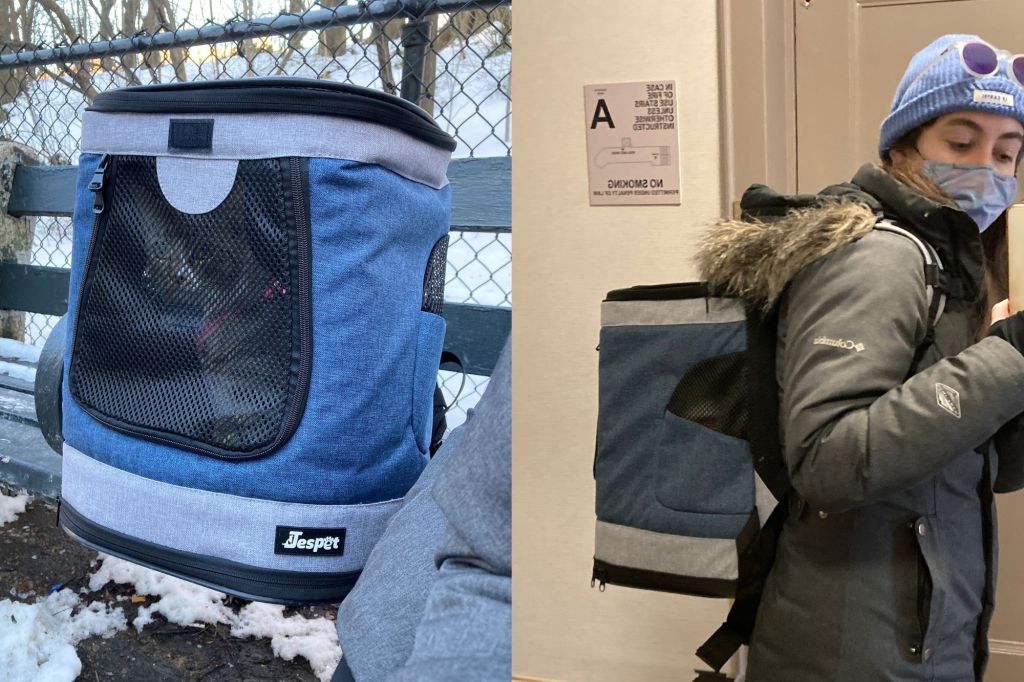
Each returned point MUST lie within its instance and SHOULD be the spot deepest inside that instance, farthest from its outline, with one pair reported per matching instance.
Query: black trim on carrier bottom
(662, 582)
(277, 95)
(292, 588)
(660, 292)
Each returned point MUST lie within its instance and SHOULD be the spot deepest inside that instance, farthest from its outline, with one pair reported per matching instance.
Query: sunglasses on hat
(980, 60)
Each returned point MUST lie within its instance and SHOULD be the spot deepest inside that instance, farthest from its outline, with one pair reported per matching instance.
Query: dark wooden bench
(481, 201)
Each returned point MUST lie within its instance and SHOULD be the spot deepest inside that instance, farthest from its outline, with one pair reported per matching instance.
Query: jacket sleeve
(465, 631)
(855, 431)
(1009, 445)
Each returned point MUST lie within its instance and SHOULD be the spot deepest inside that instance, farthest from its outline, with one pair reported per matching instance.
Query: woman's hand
(1001, 310)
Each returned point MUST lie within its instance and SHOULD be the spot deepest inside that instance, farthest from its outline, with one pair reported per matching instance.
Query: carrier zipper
(96, 186)
(98, 205)
(298, 173)
(599, 577)
(277, 95)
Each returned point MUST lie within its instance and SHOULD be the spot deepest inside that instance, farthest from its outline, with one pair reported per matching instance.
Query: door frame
(757, 92)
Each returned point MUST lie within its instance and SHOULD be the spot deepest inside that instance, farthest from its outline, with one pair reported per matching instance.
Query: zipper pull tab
(598, 577)
(96, 184)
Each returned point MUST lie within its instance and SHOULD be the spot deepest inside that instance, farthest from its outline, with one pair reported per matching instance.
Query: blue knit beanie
(934, 86)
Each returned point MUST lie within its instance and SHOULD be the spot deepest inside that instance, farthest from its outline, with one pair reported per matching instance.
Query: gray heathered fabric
(665, 553)
(195, 185)
(686, 311)
(466, 629)
(261, 136)
(435, 599)
(215, 524)
(765, 501)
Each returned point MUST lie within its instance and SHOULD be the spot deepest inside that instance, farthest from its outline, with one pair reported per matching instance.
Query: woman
(894, 443)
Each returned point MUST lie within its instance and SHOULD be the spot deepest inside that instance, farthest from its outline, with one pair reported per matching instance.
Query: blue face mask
(982, 193)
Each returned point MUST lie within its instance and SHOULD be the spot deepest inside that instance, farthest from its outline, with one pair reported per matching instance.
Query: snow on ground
(17, 371)
(315, 639)
(10, 507)
(187, 604)
(16, 350)
(37, 641)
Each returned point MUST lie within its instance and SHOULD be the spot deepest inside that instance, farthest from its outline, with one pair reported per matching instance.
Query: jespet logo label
(310, 541)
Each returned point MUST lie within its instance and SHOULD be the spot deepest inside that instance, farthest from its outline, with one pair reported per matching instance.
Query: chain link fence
(452, 57)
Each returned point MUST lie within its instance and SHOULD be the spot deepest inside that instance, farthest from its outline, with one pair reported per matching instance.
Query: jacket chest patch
(948, 399)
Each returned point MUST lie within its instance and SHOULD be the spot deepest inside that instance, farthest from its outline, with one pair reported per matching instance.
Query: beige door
(806, 86)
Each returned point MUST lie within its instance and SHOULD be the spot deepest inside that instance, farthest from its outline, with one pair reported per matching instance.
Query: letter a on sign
(601, 115)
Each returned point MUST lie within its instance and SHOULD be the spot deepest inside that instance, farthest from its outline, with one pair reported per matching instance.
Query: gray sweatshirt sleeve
(855, 431)
(465, 632)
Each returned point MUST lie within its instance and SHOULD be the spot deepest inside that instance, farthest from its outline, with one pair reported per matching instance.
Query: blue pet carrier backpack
(254, 328)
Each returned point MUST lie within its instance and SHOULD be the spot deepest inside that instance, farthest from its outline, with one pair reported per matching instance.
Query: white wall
(567, 255)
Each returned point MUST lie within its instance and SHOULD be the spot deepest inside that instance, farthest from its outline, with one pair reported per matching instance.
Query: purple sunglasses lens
(980, 58)
(1018, 69)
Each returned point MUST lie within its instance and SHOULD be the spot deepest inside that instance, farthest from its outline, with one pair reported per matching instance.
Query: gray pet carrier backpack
(254, 328)
(688, 462)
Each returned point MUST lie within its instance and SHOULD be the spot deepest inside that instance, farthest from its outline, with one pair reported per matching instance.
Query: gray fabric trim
(195, 185)
(215, 524)
(261, 136)
(763, 500)
(665, 553)
(684, 311)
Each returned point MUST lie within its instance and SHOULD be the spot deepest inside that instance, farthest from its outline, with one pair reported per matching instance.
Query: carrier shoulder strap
(766, 449)
(934, 272)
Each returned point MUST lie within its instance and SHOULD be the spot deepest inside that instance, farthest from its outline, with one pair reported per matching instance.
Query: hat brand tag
(993, 97)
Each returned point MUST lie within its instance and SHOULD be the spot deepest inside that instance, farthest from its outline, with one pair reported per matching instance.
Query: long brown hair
(909, 170)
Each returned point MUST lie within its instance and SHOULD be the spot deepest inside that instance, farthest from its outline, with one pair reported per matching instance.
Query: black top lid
(282, 95)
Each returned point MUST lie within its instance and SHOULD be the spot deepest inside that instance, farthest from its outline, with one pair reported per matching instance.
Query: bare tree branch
(58, 13)
(382, 38)
(333, 41)
(83, 82)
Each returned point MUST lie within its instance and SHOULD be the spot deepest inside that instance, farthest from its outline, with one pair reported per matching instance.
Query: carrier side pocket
(704, 462)
(429, 342)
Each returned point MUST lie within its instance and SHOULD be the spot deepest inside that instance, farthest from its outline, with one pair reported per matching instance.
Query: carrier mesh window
(188, 328)
(714, 394)
(433, 279)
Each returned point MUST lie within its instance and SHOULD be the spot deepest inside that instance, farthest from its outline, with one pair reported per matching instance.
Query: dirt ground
(36, 555)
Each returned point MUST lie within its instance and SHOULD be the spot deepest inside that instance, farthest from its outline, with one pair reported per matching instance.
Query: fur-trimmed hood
(755, 260)
(756, 257)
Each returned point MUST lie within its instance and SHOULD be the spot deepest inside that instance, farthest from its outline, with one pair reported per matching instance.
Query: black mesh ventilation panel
(433, 278)
(714, 394)
(188, 329)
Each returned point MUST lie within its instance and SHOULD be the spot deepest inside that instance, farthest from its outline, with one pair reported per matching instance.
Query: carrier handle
(450, 358)
(440, 423)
